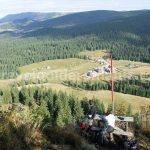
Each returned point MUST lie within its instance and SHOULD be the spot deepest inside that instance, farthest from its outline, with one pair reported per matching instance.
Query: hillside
(125, 34)
(75, 19)
(119, 32)
(58, 71)
(30, 16)
(15, 22)
(7, 27)
(121, 20)
(79, 19)
(52, 74)
(117, 27)
(120, 98)
(52, 64)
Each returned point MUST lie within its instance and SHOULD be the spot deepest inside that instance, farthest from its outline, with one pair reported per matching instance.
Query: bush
(66, 136)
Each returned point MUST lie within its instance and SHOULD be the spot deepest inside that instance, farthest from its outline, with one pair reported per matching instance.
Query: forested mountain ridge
(138, 24)
(82, 18)
(30, 16)
(126, 34)
(16, 22)
(92, 22)
(74, 19)
(45, 83)
(32, 21)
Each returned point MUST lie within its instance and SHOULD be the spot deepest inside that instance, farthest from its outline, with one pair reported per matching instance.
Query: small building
(132, 65)
(107, 69)
(99, 70)
(101, 61)
(92, 73)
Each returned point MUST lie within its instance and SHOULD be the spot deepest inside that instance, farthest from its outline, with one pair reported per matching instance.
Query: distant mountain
(18, 21)
(125, 34)
(82, 18)
(100, 23)
(74, 19)
(7, 27)
(32, 22)
(74, 24)
(30, 16)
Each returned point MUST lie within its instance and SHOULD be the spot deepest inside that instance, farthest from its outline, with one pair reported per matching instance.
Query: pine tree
(99, 106)
(24, 96)
(120, 109)
(85, 105)
(15, 95)
(50, 101)
(78, 111)
(41, 114)
(60, 121)
(72, 103)
(67, 111)
(129, 110)
(109, 108)
(7, 99)
(64, 114)
(102, 108)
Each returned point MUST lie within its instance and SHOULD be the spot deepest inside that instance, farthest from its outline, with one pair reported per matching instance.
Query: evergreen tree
(60, 121)
(7, 99)
(120, 109)
(15, 95)
(41, 114)
(109, 108)
(50, 101)
(129, 110)
(99, 106)
(78, 111)
(24, 96)
(85, 105)
(64, 114)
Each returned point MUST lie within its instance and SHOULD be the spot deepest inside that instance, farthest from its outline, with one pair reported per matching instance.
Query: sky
(18, 6)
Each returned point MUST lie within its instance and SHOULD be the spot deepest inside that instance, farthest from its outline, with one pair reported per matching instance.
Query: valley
(52, 74)
(53, 63)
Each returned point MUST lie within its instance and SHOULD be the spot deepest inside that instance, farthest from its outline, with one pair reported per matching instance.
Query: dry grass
(73, 69)
(144, 68)
(141, 69)
(5, 83)
(57, 71)
(18, 130)
(53, 64)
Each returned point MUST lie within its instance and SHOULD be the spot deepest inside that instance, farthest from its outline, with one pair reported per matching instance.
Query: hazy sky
(17, 6)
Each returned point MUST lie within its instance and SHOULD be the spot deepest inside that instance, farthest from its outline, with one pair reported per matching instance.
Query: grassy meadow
(105, 96)
(57, 71)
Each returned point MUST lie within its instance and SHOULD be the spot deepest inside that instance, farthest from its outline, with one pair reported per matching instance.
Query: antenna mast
(112, 83)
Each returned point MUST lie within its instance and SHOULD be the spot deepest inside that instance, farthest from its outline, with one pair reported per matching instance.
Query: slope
(82, 18)
(57, 71)
(99, 27)
(30, 16)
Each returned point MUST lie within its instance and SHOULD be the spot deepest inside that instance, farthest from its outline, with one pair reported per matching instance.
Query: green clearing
(60, 70)
(121, 65)
(57, 71)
